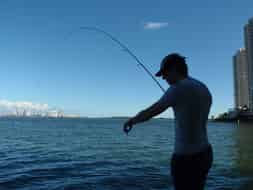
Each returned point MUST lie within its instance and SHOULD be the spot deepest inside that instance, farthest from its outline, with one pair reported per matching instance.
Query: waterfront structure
(248, 38)
(241, 82)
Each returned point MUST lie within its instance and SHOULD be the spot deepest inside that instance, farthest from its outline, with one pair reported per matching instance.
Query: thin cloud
(155, 25)
(23, 105)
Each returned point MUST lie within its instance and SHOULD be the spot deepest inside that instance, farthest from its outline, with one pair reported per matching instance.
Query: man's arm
(148, 113)
(167, 100)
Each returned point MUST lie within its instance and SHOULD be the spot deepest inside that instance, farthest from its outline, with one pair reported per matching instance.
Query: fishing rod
(125, 48)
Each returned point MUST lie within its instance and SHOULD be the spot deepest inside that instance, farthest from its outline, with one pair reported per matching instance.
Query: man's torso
(193, 102)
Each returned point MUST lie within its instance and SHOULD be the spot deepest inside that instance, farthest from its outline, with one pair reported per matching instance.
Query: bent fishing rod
(125, 48)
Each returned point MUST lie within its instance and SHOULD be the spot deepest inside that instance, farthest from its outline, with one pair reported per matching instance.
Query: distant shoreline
(41, 118)
(81, 118)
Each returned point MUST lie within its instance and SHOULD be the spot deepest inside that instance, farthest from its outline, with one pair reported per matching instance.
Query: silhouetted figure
(190, 100)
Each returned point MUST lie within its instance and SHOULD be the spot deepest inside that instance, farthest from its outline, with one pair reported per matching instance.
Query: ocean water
(95, 154)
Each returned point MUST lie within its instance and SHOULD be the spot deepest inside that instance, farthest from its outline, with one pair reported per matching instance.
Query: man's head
(173, 68)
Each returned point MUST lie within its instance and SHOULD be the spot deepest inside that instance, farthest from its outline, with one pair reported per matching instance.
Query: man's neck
(180, 78)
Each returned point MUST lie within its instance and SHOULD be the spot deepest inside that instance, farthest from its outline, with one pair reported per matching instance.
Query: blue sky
(90, 75)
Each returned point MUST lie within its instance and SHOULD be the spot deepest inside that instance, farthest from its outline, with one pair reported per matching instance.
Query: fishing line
(125, 48)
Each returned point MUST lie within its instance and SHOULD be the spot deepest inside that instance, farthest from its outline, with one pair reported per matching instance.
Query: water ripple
(68, 155)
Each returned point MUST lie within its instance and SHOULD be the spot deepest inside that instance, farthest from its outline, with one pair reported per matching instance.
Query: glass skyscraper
(248, 37)
(241, 87)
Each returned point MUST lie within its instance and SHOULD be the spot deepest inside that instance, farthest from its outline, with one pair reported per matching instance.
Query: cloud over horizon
(12, 107)
(155, 25)
(23, 105)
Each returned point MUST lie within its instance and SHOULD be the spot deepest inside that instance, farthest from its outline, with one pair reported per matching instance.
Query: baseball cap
(169, 61)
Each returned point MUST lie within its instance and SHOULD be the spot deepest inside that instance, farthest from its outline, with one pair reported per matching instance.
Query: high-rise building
(248, 37)
(241, 87)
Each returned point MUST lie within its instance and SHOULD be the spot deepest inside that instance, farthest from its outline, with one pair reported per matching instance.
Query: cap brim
(158, 74)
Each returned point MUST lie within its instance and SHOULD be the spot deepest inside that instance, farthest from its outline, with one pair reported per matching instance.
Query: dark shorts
(189, 172)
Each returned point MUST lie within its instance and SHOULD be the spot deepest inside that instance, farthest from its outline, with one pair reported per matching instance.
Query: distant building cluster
(35, 113)
(30, 109)
(243, 71)
(49, 113)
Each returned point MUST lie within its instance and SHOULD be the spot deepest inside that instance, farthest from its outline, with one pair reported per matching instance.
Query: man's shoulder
(193, 86)
(193, 80)
(190, 81)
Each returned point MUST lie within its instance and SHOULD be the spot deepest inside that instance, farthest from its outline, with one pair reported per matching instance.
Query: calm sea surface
(76, 154)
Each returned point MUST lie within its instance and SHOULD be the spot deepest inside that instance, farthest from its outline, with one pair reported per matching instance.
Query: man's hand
(128, 126)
